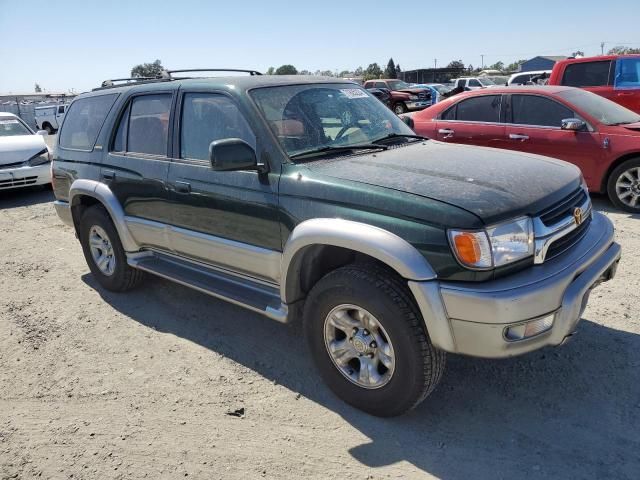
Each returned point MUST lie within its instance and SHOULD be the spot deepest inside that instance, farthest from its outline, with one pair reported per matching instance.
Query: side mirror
(574, 124)
(44, 133)
(232, 154)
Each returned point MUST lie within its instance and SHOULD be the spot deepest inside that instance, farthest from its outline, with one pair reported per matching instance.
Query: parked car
(615, 77)
(473, 83)
(382, 94)
(404, 98)
(50, 118)
(536, 77)
(24, 156)
(593, 133)
(305, 198)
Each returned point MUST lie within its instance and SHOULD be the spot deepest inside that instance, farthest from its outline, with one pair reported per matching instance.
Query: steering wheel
(346, 118)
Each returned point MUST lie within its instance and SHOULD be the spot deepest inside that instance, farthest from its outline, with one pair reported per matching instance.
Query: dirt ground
(141, 385)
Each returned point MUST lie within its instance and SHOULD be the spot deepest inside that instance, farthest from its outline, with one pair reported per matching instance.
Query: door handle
(182, 187)
(447, 132)
(517, 136)
(108, 174)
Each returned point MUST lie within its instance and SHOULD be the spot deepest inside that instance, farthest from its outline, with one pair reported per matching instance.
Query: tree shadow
(568, 412)
(25, 197)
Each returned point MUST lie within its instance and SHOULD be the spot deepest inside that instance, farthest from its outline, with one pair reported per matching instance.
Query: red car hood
(632, 126)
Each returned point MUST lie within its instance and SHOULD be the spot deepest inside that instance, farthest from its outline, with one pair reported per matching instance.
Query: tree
(497, 66)
(398, 70)
(271, 71)
(37, 88)
(622, 50)
(326, 73)
(358, 72)
(456, 64)
(147, 69)
(304, 72)
(344, 74)
(286, 70)
(515, 66)
(578, 53)
(390, 71)
(372, 71)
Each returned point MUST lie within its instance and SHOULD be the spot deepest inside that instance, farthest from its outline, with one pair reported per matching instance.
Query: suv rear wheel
(104, 253)
(367, 338)
(399, 108)
(48, 128)
(623, 186)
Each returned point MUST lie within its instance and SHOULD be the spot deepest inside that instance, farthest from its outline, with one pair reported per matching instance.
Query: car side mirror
(232, 154)
(574, 124)
(44, 133)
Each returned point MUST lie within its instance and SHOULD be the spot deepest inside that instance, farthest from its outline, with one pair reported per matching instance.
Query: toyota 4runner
(302, 197)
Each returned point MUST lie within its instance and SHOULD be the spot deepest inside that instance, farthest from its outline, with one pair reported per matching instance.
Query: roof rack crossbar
(110, 82)
(168, 73)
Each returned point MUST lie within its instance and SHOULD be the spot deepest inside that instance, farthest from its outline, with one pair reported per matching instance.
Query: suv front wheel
(104, 252)
(367, 339)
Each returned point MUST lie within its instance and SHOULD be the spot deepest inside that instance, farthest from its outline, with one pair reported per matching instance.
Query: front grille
(12, 165)
(564, 208)
(570, 239)
(423, 96)
(18, 182)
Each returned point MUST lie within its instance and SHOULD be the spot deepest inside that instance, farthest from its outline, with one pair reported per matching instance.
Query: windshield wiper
(398, 135)
(344, 148)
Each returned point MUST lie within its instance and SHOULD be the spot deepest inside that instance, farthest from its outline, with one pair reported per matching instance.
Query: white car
(524, 78)
(473, 83)
(25, 159)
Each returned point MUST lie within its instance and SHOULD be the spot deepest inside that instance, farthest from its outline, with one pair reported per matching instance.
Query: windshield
(12, 126)
(398, 85)
(306, 118)
(485, 82)
(605, 111)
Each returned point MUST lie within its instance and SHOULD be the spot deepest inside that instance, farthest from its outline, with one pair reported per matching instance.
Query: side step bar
(241, 291)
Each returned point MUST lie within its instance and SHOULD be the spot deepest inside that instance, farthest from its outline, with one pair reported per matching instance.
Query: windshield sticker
(8, 122)
(354, 93)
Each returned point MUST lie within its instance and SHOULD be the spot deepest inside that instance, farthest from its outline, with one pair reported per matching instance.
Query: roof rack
(116, 82)
(168, 74)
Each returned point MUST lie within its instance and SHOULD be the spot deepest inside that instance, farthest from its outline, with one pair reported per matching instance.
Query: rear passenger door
(474, 120)
(137, 165)
(228, 219)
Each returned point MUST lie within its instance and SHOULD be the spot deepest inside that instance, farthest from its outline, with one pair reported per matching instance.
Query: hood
(20, 148)
(491, 183)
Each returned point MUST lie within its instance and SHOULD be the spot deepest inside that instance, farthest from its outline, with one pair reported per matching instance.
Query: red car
(571, 124)
(616, 77)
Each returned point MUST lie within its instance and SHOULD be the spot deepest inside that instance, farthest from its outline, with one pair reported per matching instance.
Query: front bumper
(64, 212)
(26, 176)
(471, 318)
(420, 105)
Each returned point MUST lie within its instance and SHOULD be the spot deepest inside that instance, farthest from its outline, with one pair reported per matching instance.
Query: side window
(536, 110)
(484, 108)
(627, 75)
(147, 127)
(120, 140)
(474, 83)
(459, 83)
(449, 114)
(60, 109)
(84, 120)
(368, 84)
(381, 85)
(208, 117)
(587, 74)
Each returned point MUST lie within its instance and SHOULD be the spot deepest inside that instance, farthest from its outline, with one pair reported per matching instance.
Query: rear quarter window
(587, 74)
(83, 121)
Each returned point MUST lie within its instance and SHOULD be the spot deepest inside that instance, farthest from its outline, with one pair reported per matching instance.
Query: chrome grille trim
(545, 235)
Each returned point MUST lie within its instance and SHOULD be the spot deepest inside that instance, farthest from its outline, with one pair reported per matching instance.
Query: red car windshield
(605, 111)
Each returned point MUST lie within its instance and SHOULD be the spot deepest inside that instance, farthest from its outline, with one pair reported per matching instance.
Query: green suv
(306, 198)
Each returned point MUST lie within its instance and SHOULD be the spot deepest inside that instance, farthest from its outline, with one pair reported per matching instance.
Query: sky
(66, 45)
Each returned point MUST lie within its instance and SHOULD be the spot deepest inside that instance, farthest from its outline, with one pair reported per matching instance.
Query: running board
(241, 291)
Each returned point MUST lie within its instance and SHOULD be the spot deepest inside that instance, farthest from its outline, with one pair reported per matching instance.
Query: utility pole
(435, 63)
(482, 57)
(602, 48)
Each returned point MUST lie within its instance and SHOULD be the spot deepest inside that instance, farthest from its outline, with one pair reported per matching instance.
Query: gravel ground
(152, 384)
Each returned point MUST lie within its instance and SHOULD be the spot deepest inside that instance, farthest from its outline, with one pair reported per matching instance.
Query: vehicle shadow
(602, 204)
(569, 412)
(25, 197)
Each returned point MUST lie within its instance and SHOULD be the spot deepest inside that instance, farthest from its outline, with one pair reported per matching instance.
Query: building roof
(554, 58)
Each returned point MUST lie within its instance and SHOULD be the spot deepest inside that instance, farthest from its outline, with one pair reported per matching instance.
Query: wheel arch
(328, 243)
(613, 166)
(86, 193)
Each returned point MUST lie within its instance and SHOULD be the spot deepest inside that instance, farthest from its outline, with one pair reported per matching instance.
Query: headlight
(495, 246)
(413, 97)
(40, 159)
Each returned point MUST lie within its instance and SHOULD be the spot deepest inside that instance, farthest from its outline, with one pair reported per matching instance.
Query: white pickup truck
(50, 118)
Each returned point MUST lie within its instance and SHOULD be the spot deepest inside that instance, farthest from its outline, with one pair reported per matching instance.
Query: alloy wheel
(628, 187)
(102, 250)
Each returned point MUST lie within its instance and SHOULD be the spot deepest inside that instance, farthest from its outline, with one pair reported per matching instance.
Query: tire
(623, 186)
(115, 275)
(399, 108)
(48, 128)
(416, 366)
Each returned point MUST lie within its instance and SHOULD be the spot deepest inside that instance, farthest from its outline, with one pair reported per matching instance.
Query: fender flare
(106, 197)
(373, 241)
